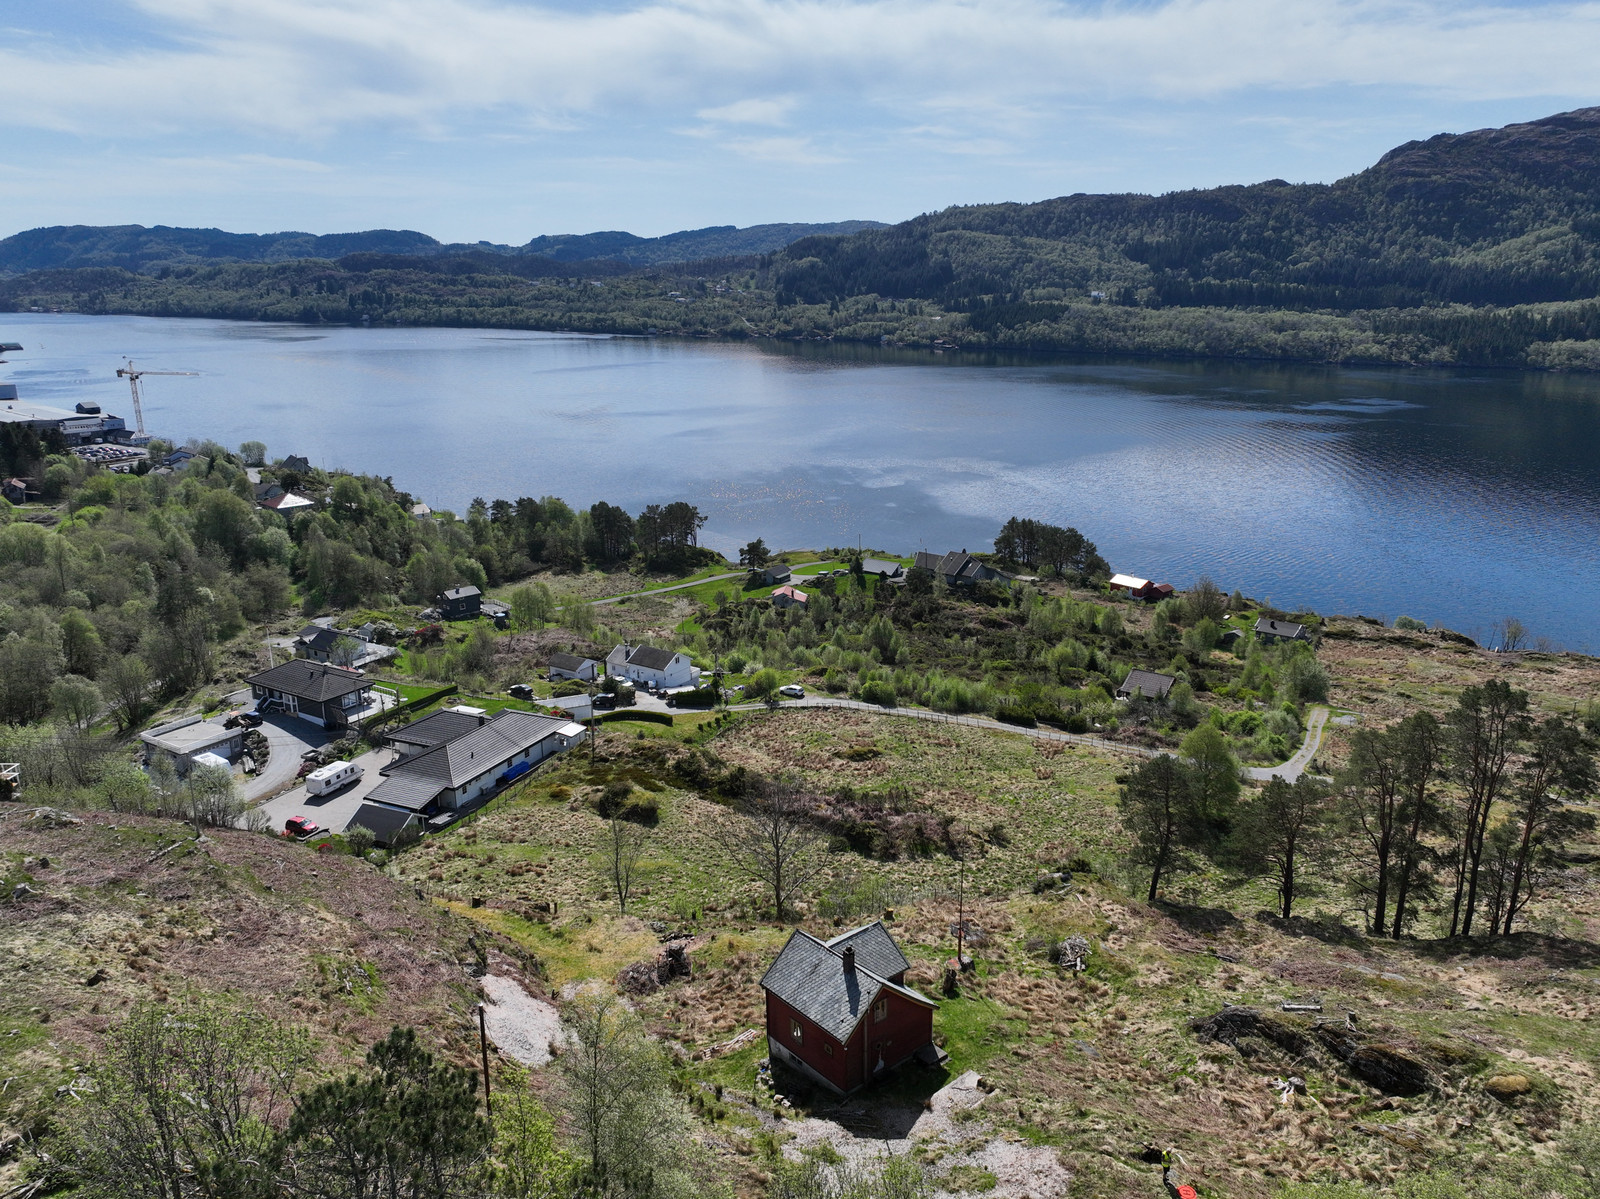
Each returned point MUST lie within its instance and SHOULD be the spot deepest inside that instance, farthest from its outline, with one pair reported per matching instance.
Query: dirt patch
(522, 1027)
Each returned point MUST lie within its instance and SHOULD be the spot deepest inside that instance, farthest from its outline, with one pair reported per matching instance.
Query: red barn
(839, 1011)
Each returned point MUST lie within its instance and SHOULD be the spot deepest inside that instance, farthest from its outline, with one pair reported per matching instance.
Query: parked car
(248, 720)
(604, 702)
(301, 826)
(520, 691)
(792, 691)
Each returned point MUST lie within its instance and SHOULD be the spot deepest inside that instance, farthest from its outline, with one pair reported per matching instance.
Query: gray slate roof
(1148, 683)
(456, 593)
(569, 662)
(435, 729)
(651, 658)
(457, 762)
(809, 976)
(409, 791)
(315, 681)
(1280, 628)
(877, 566)
(875, 949)
(384, 822)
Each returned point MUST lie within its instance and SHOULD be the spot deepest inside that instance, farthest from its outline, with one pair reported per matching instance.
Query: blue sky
(504, 119)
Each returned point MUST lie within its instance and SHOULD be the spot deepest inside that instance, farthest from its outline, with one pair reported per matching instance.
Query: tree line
(1462, 817)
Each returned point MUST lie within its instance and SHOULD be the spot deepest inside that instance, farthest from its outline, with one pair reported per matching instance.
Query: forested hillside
(1479, 249)
(136, 248)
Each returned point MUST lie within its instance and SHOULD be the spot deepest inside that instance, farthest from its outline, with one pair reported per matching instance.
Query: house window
(795, 1033)
(880, 1010)
(827, 1048)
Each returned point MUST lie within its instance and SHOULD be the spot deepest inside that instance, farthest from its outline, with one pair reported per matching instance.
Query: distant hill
(716, 241)
(1499, 216)
(1478, 248)
(136, 248)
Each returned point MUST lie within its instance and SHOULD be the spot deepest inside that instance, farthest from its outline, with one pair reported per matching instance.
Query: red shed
(839, 1011)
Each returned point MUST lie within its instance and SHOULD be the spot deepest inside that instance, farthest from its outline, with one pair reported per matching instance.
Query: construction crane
(133, 378)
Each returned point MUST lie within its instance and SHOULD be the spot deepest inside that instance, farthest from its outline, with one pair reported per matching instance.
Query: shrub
(879, 692)
(1409, 624)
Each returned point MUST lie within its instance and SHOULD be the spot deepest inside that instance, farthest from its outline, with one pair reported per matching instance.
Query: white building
(649, 665)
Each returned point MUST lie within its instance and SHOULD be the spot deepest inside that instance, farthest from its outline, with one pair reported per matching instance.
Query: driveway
(332, 812)
(287, 738)
(1291, 770)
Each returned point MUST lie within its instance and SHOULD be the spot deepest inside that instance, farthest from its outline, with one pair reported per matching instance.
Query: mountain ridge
(146, 249)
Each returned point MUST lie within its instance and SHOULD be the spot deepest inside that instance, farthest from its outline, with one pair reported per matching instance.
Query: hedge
(645, 715)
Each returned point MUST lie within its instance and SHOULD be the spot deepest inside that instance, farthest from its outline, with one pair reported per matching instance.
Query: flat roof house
(325, 694)
(839, 1011)
(185, 740)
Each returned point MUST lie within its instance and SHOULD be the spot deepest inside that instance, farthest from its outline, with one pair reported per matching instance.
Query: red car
(301, 826)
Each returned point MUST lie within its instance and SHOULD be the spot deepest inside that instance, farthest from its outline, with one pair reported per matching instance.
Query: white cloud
(310, 67)
(751, 112)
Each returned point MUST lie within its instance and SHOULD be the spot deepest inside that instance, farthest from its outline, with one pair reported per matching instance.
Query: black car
(520, 691)
(604, 702)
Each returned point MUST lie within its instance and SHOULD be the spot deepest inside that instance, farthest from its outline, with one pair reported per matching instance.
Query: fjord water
(1453, 496)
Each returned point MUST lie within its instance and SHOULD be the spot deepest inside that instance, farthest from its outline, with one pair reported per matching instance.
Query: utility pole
(483, 1046)
(961, 913)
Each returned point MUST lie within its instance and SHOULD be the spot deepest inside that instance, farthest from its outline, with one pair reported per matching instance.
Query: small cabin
(461, 603)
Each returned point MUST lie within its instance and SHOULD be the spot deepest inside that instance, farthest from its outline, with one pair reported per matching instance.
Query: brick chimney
(850, 959)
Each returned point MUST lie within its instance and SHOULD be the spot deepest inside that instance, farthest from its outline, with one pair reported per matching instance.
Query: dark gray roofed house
(1146, 683)
(296, 463)
(570, 666)
(324, 645)
(776, 572)
(434, 729)
(461, 603)
(881, 568)
(837, 1012)
(386, 824)
(651, 657)
(332, 696)
(1280, 630)
(960, 569)
(465, 768)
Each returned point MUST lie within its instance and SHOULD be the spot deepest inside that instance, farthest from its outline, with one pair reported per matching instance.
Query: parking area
(287, 738)
(332, 812)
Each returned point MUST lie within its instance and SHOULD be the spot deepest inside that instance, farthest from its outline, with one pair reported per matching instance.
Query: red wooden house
(839, 1011)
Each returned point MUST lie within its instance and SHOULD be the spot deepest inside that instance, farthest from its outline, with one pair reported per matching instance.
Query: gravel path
(1297, 765)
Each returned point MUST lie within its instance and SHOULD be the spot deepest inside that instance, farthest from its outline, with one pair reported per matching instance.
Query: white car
(792, 691)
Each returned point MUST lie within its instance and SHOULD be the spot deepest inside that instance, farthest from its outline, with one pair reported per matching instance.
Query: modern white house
(647, 664)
